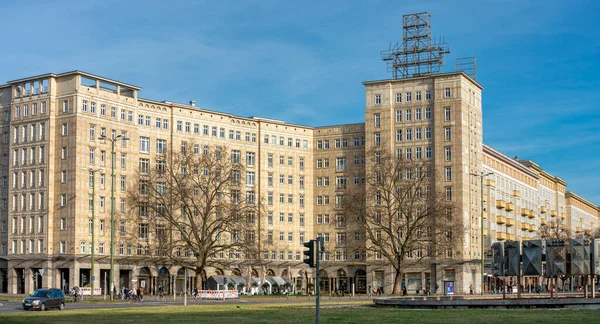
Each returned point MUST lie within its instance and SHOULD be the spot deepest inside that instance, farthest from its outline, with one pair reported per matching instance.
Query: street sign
(41, 271)
(93, 277)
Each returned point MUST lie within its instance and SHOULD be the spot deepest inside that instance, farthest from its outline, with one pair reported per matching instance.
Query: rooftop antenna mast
(418, 54)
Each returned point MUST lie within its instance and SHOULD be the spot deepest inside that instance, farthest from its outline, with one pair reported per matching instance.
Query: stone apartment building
(51, 124)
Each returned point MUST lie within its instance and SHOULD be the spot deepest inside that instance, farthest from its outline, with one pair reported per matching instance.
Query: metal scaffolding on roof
(418, 54)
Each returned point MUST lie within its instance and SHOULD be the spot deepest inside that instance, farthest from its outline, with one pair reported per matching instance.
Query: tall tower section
(423, 114)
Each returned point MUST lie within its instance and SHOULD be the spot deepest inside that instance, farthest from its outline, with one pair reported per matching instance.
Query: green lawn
(298, 313)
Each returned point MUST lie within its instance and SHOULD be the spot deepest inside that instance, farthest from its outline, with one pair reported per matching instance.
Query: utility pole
(482, 176)
(93, 246)
(112, 208)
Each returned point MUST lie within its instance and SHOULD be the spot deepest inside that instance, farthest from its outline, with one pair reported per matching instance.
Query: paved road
(15, 306)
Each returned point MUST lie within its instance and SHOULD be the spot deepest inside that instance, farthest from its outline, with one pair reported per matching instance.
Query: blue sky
(304, 61)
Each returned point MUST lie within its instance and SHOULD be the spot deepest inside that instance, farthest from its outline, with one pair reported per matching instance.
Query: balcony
(500, 204)
(524, 212)
(543, 222)
(532, 214)
(490, 183)
(553, 224)
(532, 228)
(563, 216)
(553, 213)
(578, 229)
(510, 237)
(543, 209)
(510, 207)
(500, 220)
(510, 222)
(524, 226)
(500, 236)
(516, 193)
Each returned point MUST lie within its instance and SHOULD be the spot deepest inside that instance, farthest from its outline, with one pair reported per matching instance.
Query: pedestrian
(404, 291)
(123, 291)
(141, 294)
(471, 289)
(436, 287)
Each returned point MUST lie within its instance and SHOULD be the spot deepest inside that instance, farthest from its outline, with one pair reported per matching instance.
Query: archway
(360, 278)
(342, 281)
(144, 278)
(180, 283)
(284, 273)
(323, 281)
(254, 273)
(218, 272)
(164, 280)
(270, 273)
(236, 272)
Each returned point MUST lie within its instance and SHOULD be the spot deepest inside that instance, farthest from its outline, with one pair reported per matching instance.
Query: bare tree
(406, 220)
(555, 230)
(195, 208)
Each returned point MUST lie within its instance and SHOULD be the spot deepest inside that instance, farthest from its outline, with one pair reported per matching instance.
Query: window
(377, 119)
(377, 139)
(130, 116)
(448, 153)
(84, 106)
(447, 134)
(65, 129)
(448, 173)
(65, 106)
(417, 133)
(92, 156)
(447, 93)
(409, 134)
(418, 153)
(408, 115)
(408, 96)
(448, 193)
(144, 144)
(113, 112)
(447, 113)
(250, 178)
(428, 95)
(250, 159)
(428, 153)
(63, 247)
(418, 114)
(409, 153)
(63, 200)
(63, 176)
(378, 99)
(161, 144)
(398, 97)
(102, 110)
(418, 96)
(93, 107)
(427, 132)
(340, 164)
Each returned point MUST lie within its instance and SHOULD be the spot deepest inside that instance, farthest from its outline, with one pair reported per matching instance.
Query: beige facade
(51, 125)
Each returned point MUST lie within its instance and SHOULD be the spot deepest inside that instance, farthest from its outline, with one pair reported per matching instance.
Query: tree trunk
(199, 271)
(397, 282)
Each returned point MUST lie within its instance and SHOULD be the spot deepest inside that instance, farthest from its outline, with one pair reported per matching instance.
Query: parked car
(43, 299)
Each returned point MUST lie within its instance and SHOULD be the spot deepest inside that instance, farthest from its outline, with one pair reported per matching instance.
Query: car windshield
(39, 293)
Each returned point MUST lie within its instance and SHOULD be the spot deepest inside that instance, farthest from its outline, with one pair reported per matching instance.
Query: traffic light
(532, 258)
(311, 254)
(498, 259)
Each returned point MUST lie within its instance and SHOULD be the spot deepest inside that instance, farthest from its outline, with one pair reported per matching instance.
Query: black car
(43, 299)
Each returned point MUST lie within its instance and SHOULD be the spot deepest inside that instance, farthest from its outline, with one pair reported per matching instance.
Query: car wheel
(42, 307)
(25, 308)
(61, 306)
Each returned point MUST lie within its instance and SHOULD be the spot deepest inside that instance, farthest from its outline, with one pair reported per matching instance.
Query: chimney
(517, 157)
(192, 103)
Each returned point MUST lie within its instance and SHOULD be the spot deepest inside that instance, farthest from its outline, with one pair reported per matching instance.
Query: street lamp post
(112, 207)
(93, 247)
(481, 176)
